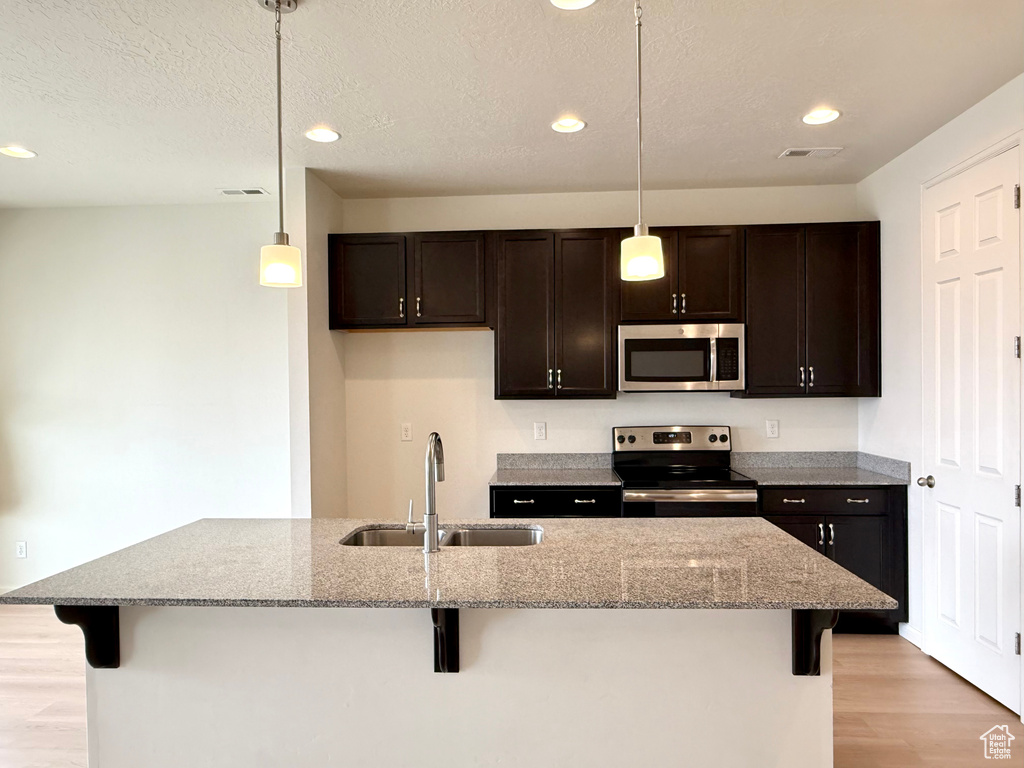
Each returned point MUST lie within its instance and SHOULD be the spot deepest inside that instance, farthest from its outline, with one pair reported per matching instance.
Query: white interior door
(971, 315)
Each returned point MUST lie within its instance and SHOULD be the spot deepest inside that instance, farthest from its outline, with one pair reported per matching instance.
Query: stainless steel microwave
(669, 358)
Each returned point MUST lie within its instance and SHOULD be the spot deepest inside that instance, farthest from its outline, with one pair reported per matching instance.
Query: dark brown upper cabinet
(367, 281)
(812, 310)
(703, 279)
(436, 279)
(556, 298)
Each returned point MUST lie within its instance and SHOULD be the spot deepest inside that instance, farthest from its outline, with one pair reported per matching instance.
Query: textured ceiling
(147, 101)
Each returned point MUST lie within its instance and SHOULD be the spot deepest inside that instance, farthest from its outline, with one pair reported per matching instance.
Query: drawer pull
(858, 501)
(522, 501)
(586, 501)
(821, 534)
(794, 501)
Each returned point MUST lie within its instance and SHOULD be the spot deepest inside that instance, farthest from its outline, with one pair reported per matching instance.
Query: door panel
(585, 346)
(810, 529)
(842, 311)
(710, 274)
(650, 301)
(859, 544)
(525, 338)
(775, 311)
(971, 420)
(450, 278)
(367, 280)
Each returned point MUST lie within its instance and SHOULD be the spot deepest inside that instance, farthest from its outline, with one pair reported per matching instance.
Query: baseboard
(913, 635)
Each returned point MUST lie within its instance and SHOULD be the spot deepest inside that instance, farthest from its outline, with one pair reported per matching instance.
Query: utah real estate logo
(997, 742)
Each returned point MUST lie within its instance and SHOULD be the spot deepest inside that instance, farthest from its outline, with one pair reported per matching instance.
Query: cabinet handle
(858, 501)
(811, 369)
(401, 306)
(682, 299)
(551, 373)
(821, 534)
(522, 501)
(418, 307)
(803, 377)
(586, 501)
(794, 501)
(675, 305)
(559, 378)
(831, 535)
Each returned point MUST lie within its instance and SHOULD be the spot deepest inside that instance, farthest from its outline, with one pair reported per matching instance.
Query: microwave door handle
(714, 360)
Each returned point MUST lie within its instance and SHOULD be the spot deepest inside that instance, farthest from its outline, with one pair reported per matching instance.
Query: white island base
(355, 687)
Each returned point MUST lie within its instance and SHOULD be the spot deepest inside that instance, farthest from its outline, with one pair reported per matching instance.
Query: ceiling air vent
(246, 192)
(812, 152)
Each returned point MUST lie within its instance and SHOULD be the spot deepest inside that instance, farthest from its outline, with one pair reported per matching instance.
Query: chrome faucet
(434, 466)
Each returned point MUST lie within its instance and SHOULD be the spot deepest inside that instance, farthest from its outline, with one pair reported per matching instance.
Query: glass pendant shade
(280, 266)
(642, 258)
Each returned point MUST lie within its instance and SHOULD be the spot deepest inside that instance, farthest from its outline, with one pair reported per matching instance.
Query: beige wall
(891, 426)
(144, 379)
(444, 381)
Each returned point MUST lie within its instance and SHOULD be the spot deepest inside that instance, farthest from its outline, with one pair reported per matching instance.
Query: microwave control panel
(728, 359)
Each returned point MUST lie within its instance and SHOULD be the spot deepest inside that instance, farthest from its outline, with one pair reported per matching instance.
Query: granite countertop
(607, 563)
(556, 477)
(769, 476)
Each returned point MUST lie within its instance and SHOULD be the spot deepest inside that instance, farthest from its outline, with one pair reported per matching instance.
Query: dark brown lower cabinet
(861, 529)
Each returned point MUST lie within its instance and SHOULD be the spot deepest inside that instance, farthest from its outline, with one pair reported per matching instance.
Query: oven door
(704, 502)
(666, 357)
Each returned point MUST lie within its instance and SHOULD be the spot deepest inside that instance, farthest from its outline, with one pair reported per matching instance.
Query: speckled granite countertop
(608, 563)
(838, 476)
(555, 477)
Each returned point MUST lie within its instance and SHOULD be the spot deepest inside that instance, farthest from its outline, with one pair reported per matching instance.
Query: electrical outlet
(540, 430)
(771, 428)
(407, 433)
(21, 549)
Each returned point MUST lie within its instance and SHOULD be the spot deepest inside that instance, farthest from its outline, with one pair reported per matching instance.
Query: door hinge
(1016, 644)
(1016, 347)
(1016, 496)
(1016, 196)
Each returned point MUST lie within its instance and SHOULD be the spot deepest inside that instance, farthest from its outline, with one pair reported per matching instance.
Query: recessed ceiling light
(821, 116)
(568, 125)
(19, 152)
(323, 135)
(571, 5)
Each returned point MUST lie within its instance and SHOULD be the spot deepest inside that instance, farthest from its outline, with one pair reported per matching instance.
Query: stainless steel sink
(384, 537)
(493, 537)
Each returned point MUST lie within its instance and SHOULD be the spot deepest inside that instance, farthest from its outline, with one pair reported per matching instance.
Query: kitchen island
(214, 647)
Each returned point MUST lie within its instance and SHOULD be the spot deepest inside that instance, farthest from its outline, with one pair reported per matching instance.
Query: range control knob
(621, 439)
(713, 438)
(723, 438)
(632, 439)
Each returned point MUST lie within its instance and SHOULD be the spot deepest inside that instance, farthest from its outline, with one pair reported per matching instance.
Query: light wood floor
(894, 706)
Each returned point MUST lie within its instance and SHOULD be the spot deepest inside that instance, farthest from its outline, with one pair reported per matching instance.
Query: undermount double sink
(460, 537)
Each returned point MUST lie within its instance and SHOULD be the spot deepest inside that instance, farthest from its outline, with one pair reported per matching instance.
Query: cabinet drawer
(850, 500)
(533, 501)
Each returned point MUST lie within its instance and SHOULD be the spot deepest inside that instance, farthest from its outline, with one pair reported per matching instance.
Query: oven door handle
(691, 496)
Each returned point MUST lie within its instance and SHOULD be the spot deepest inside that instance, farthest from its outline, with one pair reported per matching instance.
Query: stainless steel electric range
(677, 471)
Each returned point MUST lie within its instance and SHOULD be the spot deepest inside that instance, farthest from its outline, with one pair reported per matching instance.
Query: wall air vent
(244, 192)
(812, 152)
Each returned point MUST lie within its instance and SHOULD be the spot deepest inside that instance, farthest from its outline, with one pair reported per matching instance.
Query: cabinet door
(585, 347)
(710, 274)
(842, 309)
(860, 545)
(775, 311)
(450, 279)
(525, 335)
(810, 529)
(652, 301)
(367, 281)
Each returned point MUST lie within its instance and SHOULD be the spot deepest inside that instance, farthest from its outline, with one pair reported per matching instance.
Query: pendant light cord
(638, 12)
(280, 136)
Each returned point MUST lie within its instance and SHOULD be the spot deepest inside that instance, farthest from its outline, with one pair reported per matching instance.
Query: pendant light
(642, 258)
(280, 263)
